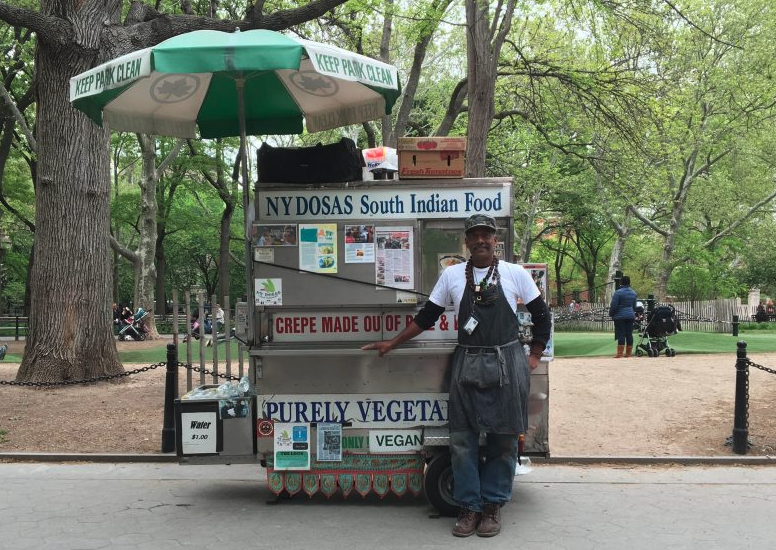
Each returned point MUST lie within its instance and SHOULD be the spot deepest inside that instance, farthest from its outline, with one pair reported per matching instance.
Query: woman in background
(623, 311)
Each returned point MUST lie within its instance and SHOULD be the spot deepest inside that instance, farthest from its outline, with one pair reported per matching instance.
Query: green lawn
(567, 344)
(157, 355)
(574, 344)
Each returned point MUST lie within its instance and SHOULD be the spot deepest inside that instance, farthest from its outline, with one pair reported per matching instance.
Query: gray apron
(490, 380)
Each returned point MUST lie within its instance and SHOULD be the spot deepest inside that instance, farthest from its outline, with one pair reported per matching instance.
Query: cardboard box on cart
(431, 157)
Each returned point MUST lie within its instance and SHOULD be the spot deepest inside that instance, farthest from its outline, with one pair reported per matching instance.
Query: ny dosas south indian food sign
(384, 203)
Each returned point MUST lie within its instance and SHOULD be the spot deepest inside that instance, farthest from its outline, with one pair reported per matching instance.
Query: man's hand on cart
(382, 347)
(410, 331)
(535, 355)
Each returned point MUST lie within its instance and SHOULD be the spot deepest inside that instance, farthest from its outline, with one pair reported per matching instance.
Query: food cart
(337, 266)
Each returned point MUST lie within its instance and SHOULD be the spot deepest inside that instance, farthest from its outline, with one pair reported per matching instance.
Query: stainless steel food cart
(336, 266)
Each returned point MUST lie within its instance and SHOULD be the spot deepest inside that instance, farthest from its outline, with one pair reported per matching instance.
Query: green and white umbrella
(235, 84)
(192, 81)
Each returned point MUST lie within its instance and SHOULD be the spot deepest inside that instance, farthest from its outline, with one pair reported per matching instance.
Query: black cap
(479, 220)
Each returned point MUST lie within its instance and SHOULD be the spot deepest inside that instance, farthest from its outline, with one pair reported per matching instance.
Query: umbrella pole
(240, 83)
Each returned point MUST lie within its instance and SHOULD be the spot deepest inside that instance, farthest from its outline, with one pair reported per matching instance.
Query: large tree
(716, 98)
(70, 332)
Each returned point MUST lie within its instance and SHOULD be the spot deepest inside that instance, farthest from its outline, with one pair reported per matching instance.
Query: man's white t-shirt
(515, 281)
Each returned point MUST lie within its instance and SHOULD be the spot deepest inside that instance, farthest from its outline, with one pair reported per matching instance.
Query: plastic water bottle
(226, 390)
(244, 385)
(523, 466)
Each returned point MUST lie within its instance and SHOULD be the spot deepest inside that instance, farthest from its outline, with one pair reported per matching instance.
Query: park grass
(159, 354)
(567, 344)
(593, 344)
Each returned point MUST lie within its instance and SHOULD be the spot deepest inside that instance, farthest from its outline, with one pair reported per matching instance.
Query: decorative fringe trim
(380, 474)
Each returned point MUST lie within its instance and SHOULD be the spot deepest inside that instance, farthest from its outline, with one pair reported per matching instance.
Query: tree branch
(454, 107)
(126, 253)
(171, 156)
(649, 223)
(48, 28)
(735, 225)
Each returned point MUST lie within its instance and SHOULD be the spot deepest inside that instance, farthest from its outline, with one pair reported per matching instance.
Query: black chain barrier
(205, 371)
(740, 438)
(105, 377)
(762, 368)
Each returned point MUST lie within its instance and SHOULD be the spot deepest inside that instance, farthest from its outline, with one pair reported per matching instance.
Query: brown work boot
(467, 522)
(620, 349)
(490, 524)
(628, 351)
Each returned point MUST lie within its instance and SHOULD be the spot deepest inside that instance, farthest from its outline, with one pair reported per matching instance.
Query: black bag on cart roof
(333, 163)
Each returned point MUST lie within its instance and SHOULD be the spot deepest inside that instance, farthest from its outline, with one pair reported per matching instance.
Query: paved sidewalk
(166, 506)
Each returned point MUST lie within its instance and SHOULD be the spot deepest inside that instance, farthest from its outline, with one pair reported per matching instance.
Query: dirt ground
(680, 406)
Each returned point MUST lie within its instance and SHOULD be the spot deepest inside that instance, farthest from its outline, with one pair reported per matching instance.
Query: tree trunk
(666, 267)
(483, 48)
(618, 249)
(525, 239)
(615, 264)
(481, 86)
(145, 285)
(70, 333)
(161, 273)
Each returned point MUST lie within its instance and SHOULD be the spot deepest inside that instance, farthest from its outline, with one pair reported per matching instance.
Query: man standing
(491, 377)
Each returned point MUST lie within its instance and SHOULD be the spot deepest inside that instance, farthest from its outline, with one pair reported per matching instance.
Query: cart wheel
(639, 352)
(438, 484)
(668, 352)
(673, 352)
(142, 336)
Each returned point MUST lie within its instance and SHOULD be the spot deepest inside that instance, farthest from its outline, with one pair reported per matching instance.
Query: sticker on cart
(394, 263)
(292, 446)
(269, 292)
(406, 297)
(266, 255)
(328, 440)
(198, 433)
(395, 441)
(318, 247)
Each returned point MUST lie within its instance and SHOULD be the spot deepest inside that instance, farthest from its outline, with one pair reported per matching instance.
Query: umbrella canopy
(192, 82)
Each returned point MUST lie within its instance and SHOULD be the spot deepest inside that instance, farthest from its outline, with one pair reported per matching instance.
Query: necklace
(482, 285)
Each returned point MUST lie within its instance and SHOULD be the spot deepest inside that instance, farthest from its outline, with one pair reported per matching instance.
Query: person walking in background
(623, 311)
(491, 372)
(219, 318)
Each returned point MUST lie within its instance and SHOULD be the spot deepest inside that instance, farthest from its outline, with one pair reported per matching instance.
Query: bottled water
(523, 466)
(244, 385)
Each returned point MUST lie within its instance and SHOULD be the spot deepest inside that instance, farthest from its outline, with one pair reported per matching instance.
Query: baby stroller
(661, 322)
(135, 328)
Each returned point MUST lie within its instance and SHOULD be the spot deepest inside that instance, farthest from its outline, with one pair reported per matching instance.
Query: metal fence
(696, 316)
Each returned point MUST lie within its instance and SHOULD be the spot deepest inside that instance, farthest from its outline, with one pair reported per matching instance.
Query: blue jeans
(477, 483)
(623, 331)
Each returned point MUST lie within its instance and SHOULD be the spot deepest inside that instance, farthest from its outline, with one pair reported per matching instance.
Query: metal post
(240, 83)
(735, 325)
(170, 393)
(650, 303)
(740, 420)
(17, 328)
